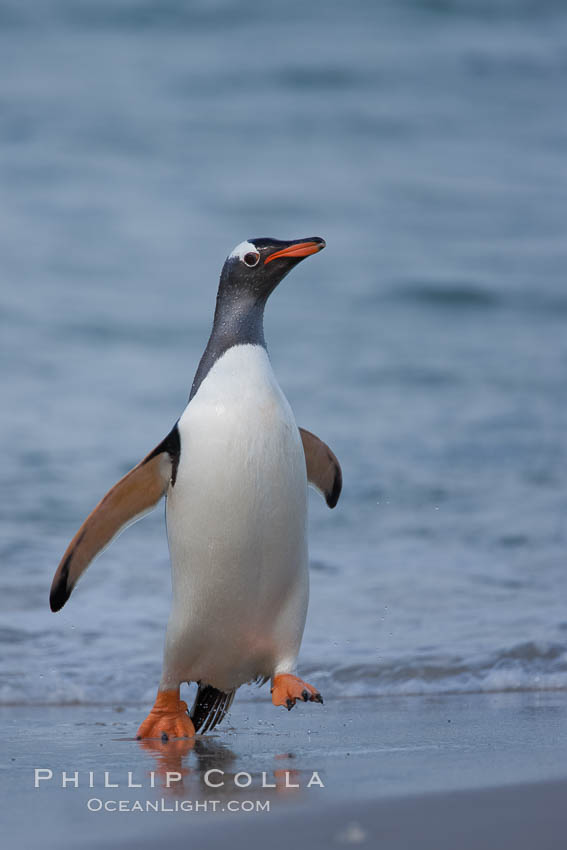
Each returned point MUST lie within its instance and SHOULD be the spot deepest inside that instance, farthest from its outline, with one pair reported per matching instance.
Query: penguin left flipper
(323, 469)
(134, 495)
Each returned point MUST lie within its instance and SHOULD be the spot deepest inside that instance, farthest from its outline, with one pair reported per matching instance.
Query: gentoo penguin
(234, 470)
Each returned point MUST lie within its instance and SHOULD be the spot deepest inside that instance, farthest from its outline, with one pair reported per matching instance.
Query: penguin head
(256, 266)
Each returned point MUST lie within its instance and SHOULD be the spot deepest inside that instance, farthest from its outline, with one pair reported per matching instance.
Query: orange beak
(300, 249)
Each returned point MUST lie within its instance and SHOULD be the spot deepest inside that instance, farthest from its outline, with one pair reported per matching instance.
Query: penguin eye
(251, 259)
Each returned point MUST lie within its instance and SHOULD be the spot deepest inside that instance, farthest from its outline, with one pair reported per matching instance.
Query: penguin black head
(256, 266)
(248, 276)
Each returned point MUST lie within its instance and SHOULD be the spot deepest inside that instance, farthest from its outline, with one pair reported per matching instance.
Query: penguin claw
(287, 689)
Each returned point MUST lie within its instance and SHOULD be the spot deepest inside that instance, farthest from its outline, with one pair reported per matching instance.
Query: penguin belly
(236, 524)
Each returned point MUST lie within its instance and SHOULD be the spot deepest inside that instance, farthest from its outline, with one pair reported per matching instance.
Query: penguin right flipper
(133, 496)
(323, 469)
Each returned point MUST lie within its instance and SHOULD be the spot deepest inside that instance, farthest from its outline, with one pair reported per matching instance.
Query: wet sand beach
(369, 771)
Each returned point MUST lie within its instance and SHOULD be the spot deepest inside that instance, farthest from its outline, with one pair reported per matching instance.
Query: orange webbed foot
(286, 689)
(168, 718)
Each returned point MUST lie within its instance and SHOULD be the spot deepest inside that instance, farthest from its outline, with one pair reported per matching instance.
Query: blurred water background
(140, 140)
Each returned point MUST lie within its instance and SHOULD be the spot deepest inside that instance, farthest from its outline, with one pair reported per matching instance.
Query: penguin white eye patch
(243, 251)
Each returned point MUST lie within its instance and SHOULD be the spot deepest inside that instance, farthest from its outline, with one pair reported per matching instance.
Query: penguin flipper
(133, 496)
(323, 469)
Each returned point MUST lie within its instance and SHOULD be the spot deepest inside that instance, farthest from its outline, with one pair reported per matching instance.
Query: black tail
(210, 707)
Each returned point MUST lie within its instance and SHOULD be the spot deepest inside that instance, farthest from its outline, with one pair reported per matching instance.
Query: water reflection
(169, 756)
(205, 768)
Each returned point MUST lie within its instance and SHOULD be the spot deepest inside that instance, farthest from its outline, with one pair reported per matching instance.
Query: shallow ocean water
(139, 142)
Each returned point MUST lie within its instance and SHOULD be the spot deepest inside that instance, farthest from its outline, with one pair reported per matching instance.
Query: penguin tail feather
(210, 707)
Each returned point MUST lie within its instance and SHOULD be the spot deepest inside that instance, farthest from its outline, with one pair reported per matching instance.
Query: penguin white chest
(236, 521)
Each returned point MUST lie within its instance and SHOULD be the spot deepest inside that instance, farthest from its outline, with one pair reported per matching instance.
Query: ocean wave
(143, 14)
(529, 666)
(452, 296)
(463, 296)
(488, 9)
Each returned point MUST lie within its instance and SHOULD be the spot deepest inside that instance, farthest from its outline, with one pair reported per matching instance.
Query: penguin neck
(239, 320)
